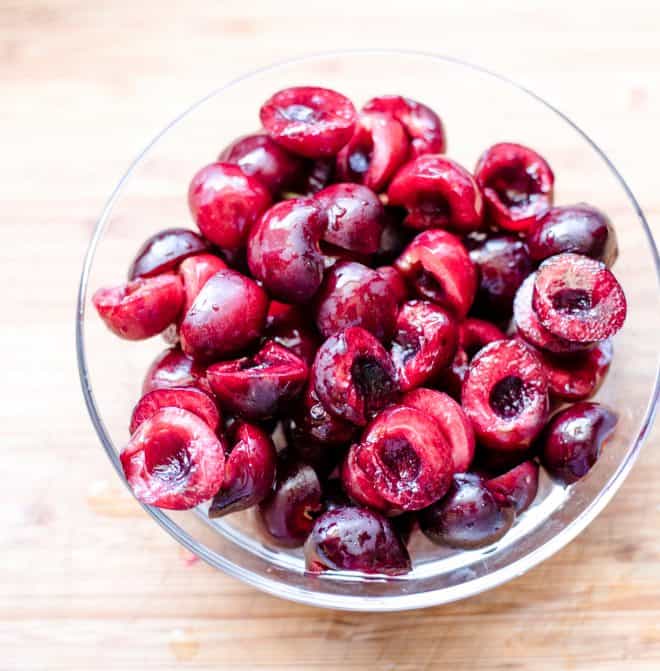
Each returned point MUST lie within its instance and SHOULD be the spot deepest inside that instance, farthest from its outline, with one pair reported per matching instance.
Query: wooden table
(87, 581)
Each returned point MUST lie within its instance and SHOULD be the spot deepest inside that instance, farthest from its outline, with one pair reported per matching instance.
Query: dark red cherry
(188, 398)
(225, 203)
(438, 193)
(308, 120)
(353, 376)
(451, 420)
(355, 539)
(517, 487)
(284, 252)
(474, 334)
(226, 317)
(164, 251)
(581, 229)
(573, 439)
(249, 471)
(287, 515)
(404, 458)
(421, 123)
(502, 262)
(261, 157)
(172, 368)
(437, 266)
(195, 271)
(424, 343)
(517, 184)
(355, 295)
(377, 149)
(258, 387)
(354, 217)
(468, 517)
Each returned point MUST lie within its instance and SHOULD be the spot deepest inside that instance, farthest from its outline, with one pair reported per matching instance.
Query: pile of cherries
(367, 337)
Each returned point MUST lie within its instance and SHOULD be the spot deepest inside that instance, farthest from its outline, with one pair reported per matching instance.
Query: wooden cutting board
(87, 581)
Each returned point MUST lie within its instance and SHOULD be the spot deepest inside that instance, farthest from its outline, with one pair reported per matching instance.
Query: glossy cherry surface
(516, 487)
(355, 539)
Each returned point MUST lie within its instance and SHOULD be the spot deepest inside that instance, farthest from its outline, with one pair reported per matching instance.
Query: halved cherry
(530, 329)
(353, 375)
(309, 120)
(452, 421)
(505, 395)
(451, 378)
(141, 308)
(405, 457)
(517, 184)
(438, 193)
(578, 298)
(424, 343)
(164, 251)
(174, 460)
(188, 398)
(249, 471)
(517, 487)
(195, 271)
(256, 387)
(437, 266)
(377, 149)
(422, 124)
(396, 285)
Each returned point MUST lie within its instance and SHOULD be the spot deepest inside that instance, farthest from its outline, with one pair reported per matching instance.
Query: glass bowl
(479, 108)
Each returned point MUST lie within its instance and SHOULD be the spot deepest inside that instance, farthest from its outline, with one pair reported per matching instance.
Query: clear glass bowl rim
(350, 602)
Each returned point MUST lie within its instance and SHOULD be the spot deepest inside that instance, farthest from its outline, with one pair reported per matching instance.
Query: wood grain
(87, 580)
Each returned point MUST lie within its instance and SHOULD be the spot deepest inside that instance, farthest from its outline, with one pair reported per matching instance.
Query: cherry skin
(581, 229)
(195, 271)
(354, 295)
(517, 487)
(573, 440)
(228, 314)
(164, 251)
(355, 539)
(287, 514)
(468, 517)
(249, 472)
(225, 203)
(354, 217)
(261, 157)
(172, 368)
(283, 250)
(502, 262)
